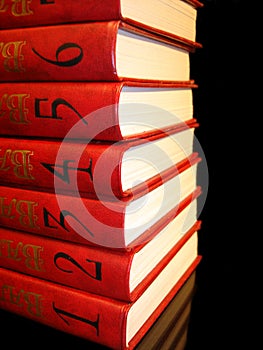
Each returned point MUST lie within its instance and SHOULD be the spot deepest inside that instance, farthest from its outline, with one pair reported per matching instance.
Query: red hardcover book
(96, 269)
(94, 168)
(116, 324)
(91, 51)
(111, 223)
(178, 21)
(110, 111)
(173, 321)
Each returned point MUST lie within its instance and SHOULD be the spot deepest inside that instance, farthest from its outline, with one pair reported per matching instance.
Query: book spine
(61, 166)
(54, 110)
(82, 267)
(26, 13)
(70, 218)
(73, 219)
(79, 313)
(76, 52)
(91, 269)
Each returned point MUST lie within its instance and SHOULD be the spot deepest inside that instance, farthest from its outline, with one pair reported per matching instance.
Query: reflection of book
(172, 324)
(91, 51)
(106, 321)
(179, 19)
(171, 327)
(180, 343)
(102, 110)
(177, 336)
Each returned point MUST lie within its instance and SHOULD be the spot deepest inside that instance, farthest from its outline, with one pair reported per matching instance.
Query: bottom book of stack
(110, 322)
(168, 332)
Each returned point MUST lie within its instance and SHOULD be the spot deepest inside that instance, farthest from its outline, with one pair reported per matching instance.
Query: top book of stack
(97, 40)
(174, 18)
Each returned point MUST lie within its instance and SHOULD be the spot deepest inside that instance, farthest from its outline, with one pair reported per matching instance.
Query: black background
(218, 108)
(219, 319)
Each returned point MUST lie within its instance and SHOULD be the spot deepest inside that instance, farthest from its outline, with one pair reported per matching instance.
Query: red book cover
(91, 51)
(93, 110)
(111, 223)
(116, 324)
(34, 13)
(172, 322)
(97, 269)
(94, 168)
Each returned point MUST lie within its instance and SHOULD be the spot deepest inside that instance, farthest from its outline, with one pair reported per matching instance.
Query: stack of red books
(98, 168)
